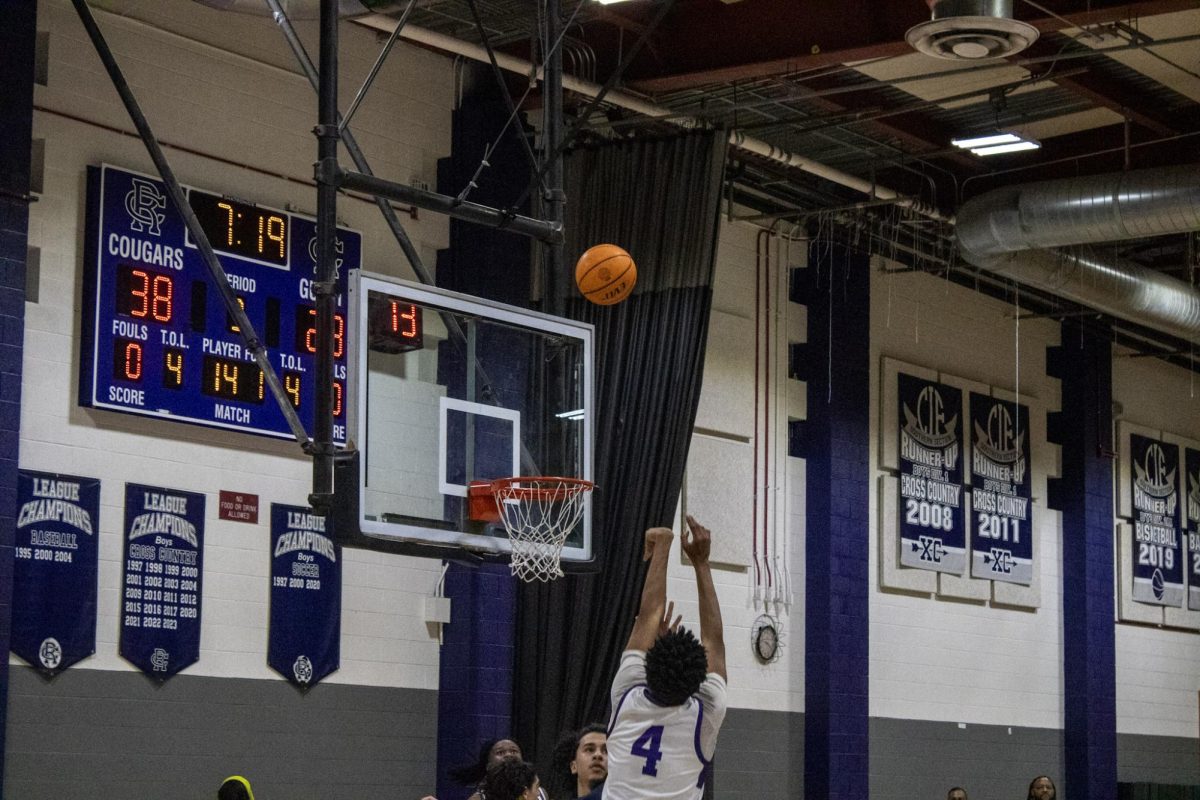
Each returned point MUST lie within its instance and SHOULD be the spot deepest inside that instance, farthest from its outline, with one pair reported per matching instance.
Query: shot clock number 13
(157, 338)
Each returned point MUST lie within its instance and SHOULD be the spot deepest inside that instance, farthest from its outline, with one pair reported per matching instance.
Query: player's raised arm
(654, 591)
(697, 541)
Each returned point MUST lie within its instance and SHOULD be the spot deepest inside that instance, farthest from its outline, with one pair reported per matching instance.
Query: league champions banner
(1001, 491)
(932, 525)
(1157, 554)
(164, 565)
(306, 597)
(54, 571)
(1191, 523)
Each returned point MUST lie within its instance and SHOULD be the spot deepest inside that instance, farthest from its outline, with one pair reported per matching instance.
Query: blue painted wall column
(835, 441)
(476, 670)
(17, 38)
(1084, 495)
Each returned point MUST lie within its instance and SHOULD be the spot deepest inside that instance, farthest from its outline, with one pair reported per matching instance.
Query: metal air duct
(1006, 231)
(970, 30)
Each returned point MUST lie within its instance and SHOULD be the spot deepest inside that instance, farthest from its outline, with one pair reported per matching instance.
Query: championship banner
(164, 565)
(1158, 557)
(932, 528)
(54, 571)
(306, 597)
(1001, 491)
(1191, 523)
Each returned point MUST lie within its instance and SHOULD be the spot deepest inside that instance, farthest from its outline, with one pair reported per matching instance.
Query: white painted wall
(220, 85)
(1158, 682)
(733, 457)
(934, 658)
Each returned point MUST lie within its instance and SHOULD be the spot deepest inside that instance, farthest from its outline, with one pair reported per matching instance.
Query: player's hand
(696, 541)
(656, 538)
(665, 625)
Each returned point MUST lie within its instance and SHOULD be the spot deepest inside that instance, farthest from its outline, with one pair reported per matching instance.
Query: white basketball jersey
(658, 752)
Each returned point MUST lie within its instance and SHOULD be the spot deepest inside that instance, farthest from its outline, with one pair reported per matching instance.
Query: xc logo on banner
(930, 548)
(999, 560)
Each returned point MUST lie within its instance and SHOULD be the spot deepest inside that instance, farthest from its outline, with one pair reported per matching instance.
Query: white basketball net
(539, 513)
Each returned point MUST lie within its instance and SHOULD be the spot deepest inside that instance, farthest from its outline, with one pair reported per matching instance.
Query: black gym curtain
(660, 200)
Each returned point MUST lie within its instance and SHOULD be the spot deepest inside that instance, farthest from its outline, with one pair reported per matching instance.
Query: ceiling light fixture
(1011, 147)
(985, 141)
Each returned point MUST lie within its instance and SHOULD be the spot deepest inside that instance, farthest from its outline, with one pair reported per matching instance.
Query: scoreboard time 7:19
(157, 339)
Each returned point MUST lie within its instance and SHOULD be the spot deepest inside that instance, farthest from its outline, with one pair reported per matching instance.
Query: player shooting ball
(668, 695)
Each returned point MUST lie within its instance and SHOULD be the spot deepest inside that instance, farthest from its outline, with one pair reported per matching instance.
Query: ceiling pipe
(1008, 231)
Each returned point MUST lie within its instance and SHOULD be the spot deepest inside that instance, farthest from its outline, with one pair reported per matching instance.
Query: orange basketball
(605, 274)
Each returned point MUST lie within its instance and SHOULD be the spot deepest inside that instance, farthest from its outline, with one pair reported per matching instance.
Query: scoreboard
(156, 338)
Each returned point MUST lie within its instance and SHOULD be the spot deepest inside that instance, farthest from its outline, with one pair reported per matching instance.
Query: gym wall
(226, 98)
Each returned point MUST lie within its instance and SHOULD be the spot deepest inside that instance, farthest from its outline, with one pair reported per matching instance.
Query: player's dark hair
(675, 667)
(235, 788)
(562, 783)
(472, 774)
(1053, 788)
(508, 780)
(954, 789)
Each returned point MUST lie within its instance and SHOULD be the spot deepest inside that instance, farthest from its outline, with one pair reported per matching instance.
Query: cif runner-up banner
(164, 565)
(932, 525)
(1001, 490)
(1191, 523)
(54, 571)
(1157, 552)
(306, 596)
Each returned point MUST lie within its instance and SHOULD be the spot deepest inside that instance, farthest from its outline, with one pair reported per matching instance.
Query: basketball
(605, 274)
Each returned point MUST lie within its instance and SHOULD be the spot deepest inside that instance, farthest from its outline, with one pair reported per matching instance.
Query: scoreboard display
(157, 339)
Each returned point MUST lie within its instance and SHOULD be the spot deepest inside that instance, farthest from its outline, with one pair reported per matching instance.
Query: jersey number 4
(649, 747)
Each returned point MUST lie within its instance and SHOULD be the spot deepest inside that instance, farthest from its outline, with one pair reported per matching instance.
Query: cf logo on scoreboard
(143, 203)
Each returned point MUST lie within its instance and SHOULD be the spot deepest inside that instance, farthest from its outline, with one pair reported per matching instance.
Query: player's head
(235, 787)
(675, 667)
(580, 762)
(1042, 788)
(491, 752)
(512, 779)
(956, 793)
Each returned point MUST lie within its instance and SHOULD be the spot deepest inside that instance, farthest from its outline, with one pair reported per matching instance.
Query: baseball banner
(164, 565)
(54, 570)
(1157, 554)
(306, 596)
(1191, 523)
(1001, 491)
(932, 526)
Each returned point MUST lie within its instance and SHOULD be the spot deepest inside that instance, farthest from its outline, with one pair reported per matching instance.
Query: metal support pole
(325, 286)
(451, 206)
(175, 192)
(552, 133)
(351, 144)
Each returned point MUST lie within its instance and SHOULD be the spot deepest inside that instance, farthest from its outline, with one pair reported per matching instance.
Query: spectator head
(511, 779)
(491, 752)
(1042, 788)
(957, 793)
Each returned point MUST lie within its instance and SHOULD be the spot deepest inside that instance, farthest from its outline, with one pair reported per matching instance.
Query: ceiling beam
(828, 32)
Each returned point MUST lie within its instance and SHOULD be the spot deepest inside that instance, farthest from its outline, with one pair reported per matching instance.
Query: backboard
(446, 388)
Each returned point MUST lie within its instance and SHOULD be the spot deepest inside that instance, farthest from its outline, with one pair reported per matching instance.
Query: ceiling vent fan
(971, 30)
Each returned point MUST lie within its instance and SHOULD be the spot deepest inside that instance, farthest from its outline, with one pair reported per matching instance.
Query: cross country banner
(1001, 491)
(54, 570)
(161, 590)
(1157, 551)
(306, 596)
(932, 525)
(1191, 523)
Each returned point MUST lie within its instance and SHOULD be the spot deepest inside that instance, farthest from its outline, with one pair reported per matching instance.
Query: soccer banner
(54, 572)
(164, 565)
(306, 597)
(1191, 523)
(1157, 555)
(932, 525)
(1001, 491)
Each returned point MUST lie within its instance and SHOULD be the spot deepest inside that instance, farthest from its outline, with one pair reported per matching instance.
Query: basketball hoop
(538, 514)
